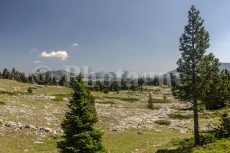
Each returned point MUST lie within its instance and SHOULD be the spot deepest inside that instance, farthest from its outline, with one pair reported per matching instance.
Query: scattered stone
(17, 126)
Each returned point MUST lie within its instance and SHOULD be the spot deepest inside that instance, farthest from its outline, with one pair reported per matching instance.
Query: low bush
(2, 103)
(207, 138)
(163, 122)
(106, 102)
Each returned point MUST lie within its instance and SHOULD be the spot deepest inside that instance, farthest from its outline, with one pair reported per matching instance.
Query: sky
(105, 35)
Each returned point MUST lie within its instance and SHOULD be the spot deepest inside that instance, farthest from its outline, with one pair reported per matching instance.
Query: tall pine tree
(193, 43)
(80, 134)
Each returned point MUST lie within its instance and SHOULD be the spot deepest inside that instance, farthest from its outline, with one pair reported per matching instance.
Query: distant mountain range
(116, 75)
(223, 66)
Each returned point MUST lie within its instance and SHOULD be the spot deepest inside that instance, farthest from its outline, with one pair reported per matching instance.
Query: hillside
(31, 122)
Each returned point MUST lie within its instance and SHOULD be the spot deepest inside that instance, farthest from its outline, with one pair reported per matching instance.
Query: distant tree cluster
(13, 75)
(41, 78)
(45, 79)
(123, 84)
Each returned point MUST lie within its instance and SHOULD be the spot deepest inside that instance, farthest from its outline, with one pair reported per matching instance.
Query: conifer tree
(30, 79)
(210, 82)
(13, 73)
(5, 74)
(40, 79)
(156, 81)
(80, 134)
(140, 83)
(150, 102)
(54, 81)
(193, 43)
(62, 81)
(48, 78)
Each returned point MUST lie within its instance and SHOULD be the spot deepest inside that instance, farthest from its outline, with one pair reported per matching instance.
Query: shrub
(207, 138)
(165, 97)
(223, 131)
(29, 90)
(163, 122)
(106, 91)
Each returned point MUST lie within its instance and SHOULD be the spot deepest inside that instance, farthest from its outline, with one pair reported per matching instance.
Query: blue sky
(106, 35)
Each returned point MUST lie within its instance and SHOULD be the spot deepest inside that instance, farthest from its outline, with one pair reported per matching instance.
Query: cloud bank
(63, 55)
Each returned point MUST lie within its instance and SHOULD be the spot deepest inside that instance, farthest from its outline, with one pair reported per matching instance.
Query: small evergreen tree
(223, 131)
(156, 81)
(13, 73)
(29, 90)
(133, 85)
(150, 102)
(80, 134)
(48, 79)
(23, 78)
(5, 74)
(54, 81)
(165, 80)
(62, 81)
(30, 79)
(140, 83)
(40, 79)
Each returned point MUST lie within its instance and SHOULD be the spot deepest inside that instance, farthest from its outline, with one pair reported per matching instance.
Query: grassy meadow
(31, 122)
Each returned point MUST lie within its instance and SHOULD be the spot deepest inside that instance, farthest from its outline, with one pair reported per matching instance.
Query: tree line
(105, 85)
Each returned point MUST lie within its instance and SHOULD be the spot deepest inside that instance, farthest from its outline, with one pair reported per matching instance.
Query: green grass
(127, 99)
(18, 142)
(36, 111)
(146, 141)
(220, 146)
(180, 116)
(106, 102)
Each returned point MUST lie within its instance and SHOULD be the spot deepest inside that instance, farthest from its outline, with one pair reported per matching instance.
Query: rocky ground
(39, 115)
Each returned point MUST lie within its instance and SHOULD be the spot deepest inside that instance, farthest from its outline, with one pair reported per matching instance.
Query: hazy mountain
(57, 74)
(223, 66)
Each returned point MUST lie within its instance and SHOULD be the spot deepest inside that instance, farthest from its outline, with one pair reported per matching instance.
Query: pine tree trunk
(196, 123)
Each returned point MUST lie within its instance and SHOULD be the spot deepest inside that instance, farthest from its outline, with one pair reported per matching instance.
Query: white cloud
(75, 44)
(37, 62)
(55, 54)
